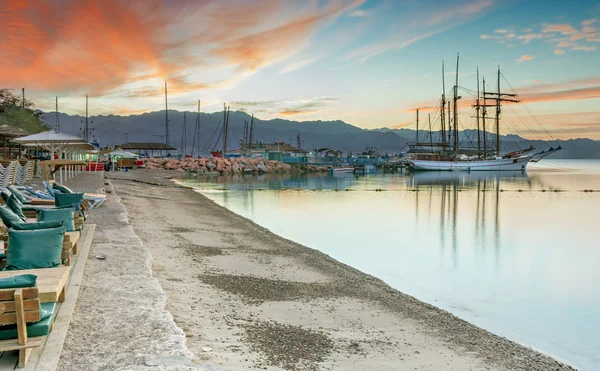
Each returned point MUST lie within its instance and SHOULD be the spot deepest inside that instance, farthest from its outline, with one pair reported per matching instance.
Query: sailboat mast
(57, 126)
(251, 132)
(224, 129)
(483, 118)
(443, 110)
(166, 116)
(478, 107)
(182, 137)
(85, 133)
(449, 122)
(430, 138)
(498, 117)
(417, 135)
(455, 108)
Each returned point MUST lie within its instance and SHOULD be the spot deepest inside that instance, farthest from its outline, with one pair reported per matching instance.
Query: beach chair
(94, 200)
(38, 194)
(24, 322)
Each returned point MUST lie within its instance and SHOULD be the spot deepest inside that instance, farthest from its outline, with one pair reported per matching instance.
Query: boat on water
(341, 170)
(450, 153)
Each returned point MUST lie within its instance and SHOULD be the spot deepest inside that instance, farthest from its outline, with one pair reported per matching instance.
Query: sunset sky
(367, 62)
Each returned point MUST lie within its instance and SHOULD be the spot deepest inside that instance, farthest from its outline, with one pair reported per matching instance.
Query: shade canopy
(123, 154)
(48, 137)
(12, 132)
(55, 141)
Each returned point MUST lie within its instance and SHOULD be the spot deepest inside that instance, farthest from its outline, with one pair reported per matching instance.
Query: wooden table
(51, 282)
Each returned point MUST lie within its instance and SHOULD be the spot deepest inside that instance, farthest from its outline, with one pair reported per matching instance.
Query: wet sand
(247, 298)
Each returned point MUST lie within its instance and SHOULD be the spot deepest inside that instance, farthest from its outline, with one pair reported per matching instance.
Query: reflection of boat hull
(340, 170)
(464, 178)
(508, 164)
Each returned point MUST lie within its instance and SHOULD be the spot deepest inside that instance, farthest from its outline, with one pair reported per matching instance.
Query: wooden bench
(18, 307)
(51, 282)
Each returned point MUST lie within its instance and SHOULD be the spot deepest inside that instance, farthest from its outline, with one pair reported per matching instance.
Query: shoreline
(402, 332)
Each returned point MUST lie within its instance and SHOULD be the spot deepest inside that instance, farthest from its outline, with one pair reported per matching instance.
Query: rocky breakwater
(219, 166)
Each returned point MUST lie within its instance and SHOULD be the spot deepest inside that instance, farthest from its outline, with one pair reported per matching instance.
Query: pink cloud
(584, 48)
(559, 51)
(525, 57)
(588, 22)
(531, 36)
(565, 29)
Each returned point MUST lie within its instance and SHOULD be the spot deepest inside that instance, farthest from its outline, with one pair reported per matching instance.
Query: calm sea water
(517, 254)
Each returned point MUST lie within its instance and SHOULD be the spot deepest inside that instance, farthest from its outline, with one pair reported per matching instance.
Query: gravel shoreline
(258, 300)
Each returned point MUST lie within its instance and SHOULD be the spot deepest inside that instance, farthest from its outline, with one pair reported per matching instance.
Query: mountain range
(149, 127)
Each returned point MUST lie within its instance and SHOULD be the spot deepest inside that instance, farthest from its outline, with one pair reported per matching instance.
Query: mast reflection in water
(513, 253)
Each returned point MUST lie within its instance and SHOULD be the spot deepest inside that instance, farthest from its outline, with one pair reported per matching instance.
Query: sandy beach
(246, 298)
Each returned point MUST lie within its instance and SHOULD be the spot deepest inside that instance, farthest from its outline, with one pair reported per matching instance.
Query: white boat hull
(509, 164)
(337, 170)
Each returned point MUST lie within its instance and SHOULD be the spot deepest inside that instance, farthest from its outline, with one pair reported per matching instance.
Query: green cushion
(8, 216)
(68, 199)
(38, 225)
(62, 188)
(5, 194)
(15, 205)
(18, 194)
(65, 215)
(40, 248)
(41, 328)
(23, 280)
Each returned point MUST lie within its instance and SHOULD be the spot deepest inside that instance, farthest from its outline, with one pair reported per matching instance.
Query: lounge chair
(94, 199)
(24, 322)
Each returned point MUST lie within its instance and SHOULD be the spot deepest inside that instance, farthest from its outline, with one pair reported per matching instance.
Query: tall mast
(166, 116)
(449, 121)
(198, 128)
(498, 117)
(23, 101)
(251, 133)
(430, 138)
(483, 118)
(443, 110)
(417, 135)
(455, 108)
(85, 133)
(57, 125)
(477, 109)
(224, 129)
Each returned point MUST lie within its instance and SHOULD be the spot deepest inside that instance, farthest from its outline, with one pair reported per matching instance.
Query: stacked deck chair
(67, 212)
(93, 199)
(24, 321)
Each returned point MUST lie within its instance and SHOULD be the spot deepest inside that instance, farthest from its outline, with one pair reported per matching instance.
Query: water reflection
(279, 181)
(492, 248)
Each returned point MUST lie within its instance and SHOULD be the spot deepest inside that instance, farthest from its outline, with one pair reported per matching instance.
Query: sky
(367, 62)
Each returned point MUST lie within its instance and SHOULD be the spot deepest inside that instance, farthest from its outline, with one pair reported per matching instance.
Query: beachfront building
(147, 149)
(282, 151)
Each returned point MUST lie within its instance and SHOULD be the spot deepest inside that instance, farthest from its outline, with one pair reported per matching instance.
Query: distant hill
(111, 129)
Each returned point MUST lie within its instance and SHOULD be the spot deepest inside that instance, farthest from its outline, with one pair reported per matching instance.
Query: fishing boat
(451, 154)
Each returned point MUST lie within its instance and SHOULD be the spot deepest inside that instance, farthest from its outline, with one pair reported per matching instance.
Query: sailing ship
(449, 154)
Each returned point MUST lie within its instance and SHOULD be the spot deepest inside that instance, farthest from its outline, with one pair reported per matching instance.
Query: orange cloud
(525, 57)
(571, 90)
(97, 46)
(565, 29)
(559, 51)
